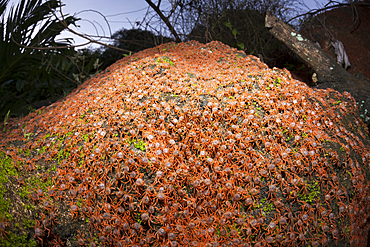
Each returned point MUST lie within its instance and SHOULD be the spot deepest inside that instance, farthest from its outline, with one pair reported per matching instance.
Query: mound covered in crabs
(195, 144)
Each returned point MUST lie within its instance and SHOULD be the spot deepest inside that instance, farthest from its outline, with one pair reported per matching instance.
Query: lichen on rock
(195, 144)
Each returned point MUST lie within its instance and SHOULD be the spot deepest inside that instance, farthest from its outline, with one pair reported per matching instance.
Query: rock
(226, 151)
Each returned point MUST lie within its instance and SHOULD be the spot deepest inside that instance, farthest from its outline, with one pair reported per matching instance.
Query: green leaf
(234, 33)
(228, 24)
(241, 46)
(20, 84)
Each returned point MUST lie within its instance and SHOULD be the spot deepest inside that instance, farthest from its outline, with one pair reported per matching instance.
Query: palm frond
(31, 23)
(3, 4)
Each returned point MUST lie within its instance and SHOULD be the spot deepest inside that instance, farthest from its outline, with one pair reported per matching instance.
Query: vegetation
(33, 71)
(101, 173)
(40, 161)
(133, 40)
(25, 73)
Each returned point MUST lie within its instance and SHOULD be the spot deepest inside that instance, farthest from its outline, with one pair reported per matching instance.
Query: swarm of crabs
(195, 144)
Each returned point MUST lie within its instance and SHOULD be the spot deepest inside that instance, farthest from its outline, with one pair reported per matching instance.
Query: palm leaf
(3, 4)
(29, 24)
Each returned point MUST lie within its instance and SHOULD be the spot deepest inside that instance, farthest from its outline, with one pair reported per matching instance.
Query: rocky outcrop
(195, 144)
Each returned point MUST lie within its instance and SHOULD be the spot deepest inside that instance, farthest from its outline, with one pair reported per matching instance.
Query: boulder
(195, 144)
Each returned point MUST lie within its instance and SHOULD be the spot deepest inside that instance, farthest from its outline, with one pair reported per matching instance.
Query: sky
(119, 13)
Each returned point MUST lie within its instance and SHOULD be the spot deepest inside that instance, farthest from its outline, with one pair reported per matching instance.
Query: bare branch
(48, 48)
(315, 11)
(165, 19)
(106, 21)
(87, 37)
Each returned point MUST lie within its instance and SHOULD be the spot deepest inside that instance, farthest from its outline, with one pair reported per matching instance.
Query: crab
(3, 225)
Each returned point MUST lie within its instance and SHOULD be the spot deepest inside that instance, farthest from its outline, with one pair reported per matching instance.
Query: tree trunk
(329, 73)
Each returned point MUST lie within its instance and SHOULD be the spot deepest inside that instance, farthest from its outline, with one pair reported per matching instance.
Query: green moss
(313, 193)
(13, 240)
(138, 218)
(268, 208)
(6, 169)
(24, 192)
(164, 60)
(29, 223)
(139, 144)
(29, 207)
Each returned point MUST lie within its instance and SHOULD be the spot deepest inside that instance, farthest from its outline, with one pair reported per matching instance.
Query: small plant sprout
(6, 119)
(25, 134)
(127, 55)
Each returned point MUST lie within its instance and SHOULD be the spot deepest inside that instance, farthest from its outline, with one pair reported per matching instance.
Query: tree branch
(315, 11)
(330, 74)
(318, 60)
(156, 8)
